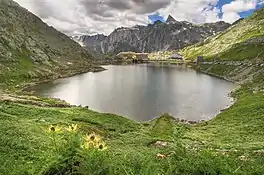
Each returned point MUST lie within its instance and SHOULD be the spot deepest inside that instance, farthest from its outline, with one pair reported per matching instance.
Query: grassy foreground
(231, 143)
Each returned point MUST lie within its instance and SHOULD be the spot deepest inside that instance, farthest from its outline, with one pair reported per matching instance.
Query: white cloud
(261, 2)
(239, 6)
(230, 17)
(231, 10)
(197, 11)
(75, 17)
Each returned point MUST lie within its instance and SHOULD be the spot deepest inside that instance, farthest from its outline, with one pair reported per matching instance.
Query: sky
(82, 17)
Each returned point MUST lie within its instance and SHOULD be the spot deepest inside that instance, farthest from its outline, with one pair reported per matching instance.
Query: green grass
(26, 147)
(241, 52)
(238, 128)
(231, 143)
(218, 70)
(229, 45)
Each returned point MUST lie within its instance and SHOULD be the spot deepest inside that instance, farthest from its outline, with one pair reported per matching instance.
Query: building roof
(176, 55)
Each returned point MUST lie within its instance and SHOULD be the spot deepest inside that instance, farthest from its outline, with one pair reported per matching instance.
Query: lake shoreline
(32, 84)
(184, 115)
(220, 138)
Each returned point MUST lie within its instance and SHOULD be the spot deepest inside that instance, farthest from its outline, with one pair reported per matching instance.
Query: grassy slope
(228, 45)
(32, 50)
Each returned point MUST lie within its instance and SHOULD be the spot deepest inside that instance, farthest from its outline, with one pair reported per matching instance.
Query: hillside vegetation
(242, 41)
(30, 49)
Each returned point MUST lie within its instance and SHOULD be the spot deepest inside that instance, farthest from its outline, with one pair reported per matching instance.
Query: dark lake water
(143, 92)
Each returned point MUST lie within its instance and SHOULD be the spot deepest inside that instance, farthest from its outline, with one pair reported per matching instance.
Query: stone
(161, 156)
(243, 158)
(160, 144)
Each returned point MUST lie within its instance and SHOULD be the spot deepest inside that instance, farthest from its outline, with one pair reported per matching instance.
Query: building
(142, 56)
(125, 55)
(176, 56)
(132, 55)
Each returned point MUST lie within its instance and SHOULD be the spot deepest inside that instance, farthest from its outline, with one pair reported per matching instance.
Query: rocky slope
(156, 37)
(91, 43)
(242, 41)
(29, 48)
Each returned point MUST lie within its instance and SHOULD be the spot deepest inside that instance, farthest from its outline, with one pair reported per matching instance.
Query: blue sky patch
(156, 17)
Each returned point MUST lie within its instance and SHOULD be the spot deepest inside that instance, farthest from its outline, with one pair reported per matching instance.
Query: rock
(161, 156)
(192, 122)
(171, 35)
(170, 20)
(160, 144)
(91, 43)
(164, 156)
(243, 158)
(256, 40)
(42, 120)
(259, 152)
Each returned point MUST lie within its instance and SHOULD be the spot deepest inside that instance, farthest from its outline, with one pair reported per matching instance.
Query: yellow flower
(72, 128)
(54, 128)
(101, 146)
(92, 138)
(84, 146)
(88, 145)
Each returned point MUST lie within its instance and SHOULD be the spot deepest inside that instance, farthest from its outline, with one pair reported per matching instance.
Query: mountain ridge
(242, 41)
(159, 36)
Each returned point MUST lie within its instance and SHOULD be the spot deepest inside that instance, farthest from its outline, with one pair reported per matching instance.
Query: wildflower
(84, 146)
(72, 128)
(101, 146)
(54, 128)
(92, 138)
(88, 145)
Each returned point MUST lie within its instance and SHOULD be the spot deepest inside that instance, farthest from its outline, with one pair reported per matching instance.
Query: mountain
(30, 49)
(159, 36)
(91, 43)
(170, 20)
(244, 40)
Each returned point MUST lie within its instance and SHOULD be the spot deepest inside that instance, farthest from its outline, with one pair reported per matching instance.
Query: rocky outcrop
(159, 36)
(255, 40)
(170, 20)
(91, 43)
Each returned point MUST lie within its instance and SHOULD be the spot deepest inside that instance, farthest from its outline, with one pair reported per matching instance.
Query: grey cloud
(119, 5)
(100, 7)
(103, 16)
(151, 6)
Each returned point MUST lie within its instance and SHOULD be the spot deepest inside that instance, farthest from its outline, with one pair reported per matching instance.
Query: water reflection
(142, 92)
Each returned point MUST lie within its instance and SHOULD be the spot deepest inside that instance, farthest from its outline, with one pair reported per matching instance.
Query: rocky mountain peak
(171, 35)
(170, 20)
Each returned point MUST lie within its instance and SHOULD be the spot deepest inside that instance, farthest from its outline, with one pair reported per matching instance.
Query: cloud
(75, 17)
(231, 11)
(239, 6)
(195, 11)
